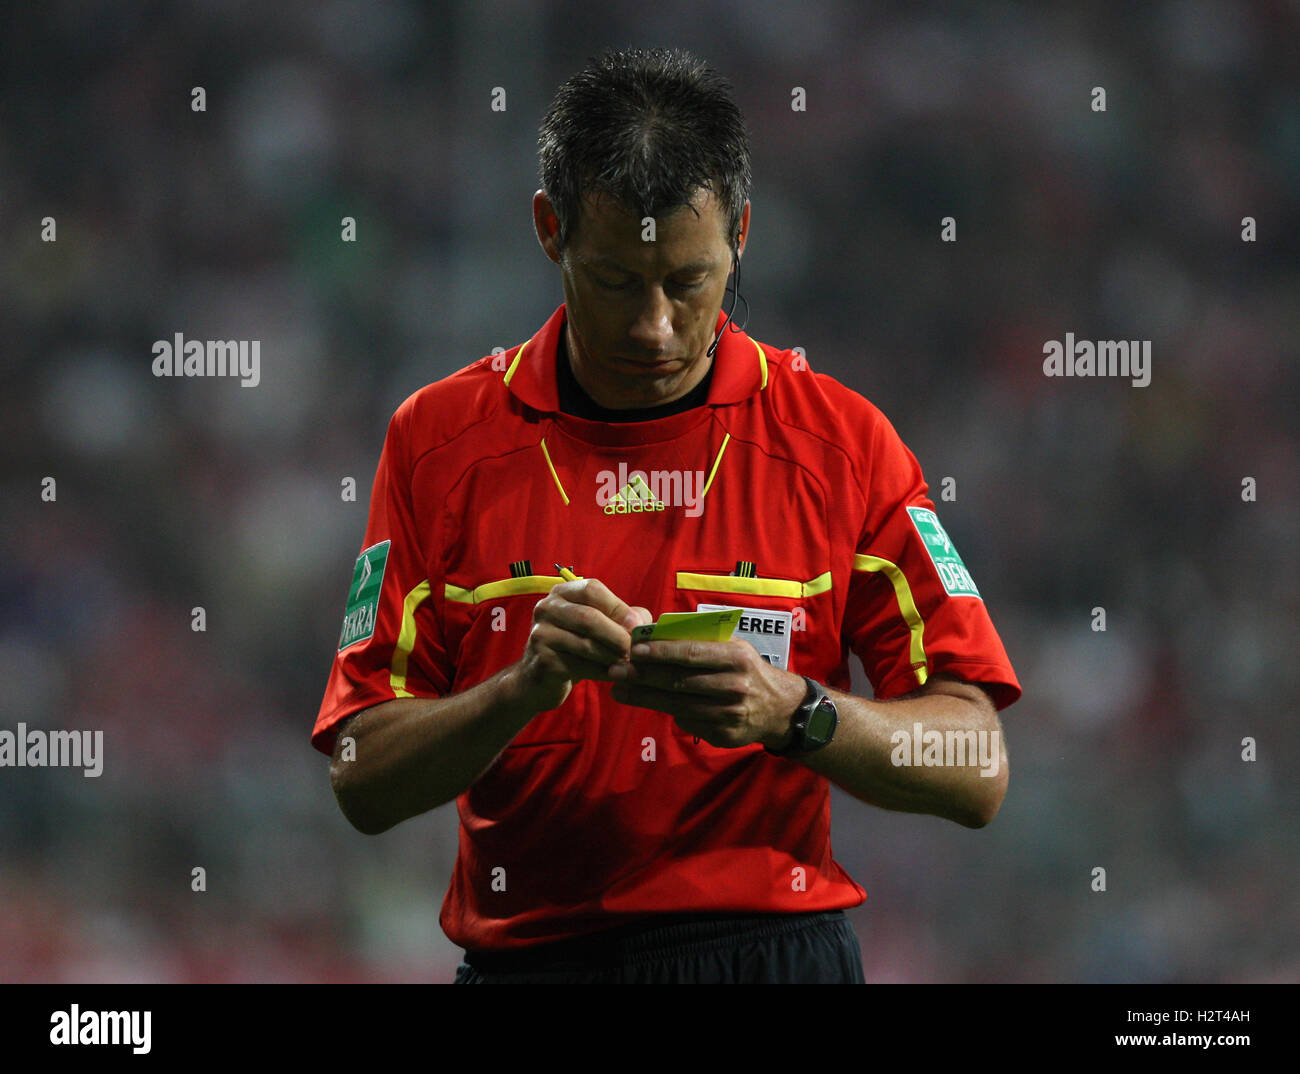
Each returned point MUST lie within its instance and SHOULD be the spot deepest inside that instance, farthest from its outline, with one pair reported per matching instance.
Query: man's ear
(744, 230)
(547, 225)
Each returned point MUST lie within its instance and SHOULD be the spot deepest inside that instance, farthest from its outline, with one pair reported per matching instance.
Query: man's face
(641, 314)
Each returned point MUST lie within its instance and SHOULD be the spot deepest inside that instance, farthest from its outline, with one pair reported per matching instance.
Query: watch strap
(798, 744)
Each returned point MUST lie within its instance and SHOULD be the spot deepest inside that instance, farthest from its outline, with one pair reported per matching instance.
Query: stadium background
(1070, 494)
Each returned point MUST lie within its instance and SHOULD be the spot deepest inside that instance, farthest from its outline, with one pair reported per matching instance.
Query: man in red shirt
(656, 815)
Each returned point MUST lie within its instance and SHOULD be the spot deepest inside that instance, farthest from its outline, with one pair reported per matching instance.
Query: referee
(658, 813)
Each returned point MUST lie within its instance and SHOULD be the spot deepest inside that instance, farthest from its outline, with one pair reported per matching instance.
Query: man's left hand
(720, 691)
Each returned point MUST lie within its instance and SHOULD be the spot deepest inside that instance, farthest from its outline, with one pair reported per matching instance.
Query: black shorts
(815, 948)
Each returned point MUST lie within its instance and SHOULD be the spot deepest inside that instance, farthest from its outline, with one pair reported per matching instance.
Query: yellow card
(690, 626)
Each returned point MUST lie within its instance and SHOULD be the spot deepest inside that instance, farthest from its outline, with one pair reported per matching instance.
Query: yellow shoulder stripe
(406, 639)
(906, 605)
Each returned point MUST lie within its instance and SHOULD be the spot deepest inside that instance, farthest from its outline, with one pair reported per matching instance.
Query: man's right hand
(413, 754)
(579, 629)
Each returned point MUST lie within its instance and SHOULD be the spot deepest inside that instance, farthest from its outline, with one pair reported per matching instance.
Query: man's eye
(612, 286)
(695, 286)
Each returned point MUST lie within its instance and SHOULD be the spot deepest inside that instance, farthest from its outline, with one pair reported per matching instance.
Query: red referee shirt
(786, 493)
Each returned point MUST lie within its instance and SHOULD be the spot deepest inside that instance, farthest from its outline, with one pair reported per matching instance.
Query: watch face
(821, 724)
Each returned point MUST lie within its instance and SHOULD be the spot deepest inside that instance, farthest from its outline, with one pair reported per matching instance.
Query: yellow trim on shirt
(765, 587)
(505, 587)
(515, 364)
(406, 638)
(554, 476)
(725, 440)
(906, 605)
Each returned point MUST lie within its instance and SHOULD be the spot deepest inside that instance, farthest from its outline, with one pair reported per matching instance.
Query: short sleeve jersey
(787, 492)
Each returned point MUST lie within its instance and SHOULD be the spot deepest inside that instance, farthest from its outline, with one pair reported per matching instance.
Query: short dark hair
(647, 128)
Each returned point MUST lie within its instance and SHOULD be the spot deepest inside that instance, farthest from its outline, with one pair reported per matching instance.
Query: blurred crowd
(1071, 495)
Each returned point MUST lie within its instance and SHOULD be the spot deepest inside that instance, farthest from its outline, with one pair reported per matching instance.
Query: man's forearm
(861, 757)
(414, 754)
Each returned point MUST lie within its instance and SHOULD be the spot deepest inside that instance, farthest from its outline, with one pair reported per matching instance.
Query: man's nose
(653, 327)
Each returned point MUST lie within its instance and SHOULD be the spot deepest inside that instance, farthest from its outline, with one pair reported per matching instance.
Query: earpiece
(735, 294)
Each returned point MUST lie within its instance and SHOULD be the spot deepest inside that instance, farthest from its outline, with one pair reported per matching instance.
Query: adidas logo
(633, 498)
(657, 490)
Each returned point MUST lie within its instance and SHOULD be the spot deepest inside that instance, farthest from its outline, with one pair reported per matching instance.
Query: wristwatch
(813, 724)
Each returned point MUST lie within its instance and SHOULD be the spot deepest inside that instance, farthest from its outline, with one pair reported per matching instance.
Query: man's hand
(579, 629)
(720, 691)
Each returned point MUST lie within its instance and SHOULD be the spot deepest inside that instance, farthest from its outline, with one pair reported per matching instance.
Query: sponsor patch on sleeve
(956, 579)
(363, 596)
